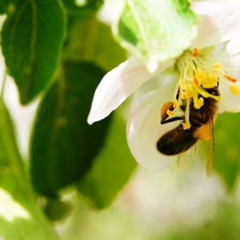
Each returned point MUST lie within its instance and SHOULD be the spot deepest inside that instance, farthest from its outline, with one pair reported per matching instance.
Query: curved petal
(218, 21)
(144, 128)
(117, 85)
(111, 11)
(232, 47)
(229, 102)
(231, 64)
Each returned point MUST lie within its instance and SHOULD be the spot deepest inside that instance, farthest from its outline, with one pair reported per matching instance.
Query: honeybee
(179, 140)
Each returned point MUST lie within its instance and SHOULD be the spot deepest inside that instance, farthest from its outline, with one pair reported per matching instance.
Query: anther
(196, 53)
(217, 66)
(197, 81)
(231, 79)
(186, 125)
(198, 102)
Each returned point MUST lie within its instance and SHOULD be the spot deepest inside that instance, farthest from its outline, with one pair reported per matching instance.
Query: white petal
(229, 102)
(117, 85)
(144, 129)
(232, 46)
(230, 64)
(111, 11)
(228, 54)
(218, 21)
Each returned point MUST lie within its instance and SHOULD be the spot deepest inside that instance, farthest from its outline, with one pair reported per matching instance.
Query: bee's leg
(172, 119)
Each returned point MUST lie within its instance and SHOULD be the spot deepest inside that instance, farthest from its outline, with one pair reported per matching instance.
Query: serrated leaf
(227, 149)
(63, 144)
(111, 170)
(20, 218)
(157, 30)
(32, 38)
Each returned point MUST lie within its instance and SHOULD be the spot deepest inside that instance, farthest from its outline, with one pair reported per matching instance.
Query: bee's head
(213, 91)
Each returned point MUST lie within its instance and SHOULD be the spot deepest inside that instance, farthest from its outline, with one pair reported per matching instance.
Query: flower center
(199, 72)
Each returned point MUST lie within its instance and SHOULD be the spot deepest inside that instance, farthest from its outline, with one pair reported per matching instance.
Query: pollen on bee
(166, 110)
(170, 113)
(204, 133)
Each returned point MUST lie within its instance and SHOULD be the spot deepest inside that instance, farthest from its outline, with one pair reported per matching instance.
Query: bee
(179, 140)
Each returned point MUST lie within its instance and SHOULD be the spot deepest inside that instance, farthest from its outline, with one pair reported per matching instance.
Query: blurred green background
(60, 175)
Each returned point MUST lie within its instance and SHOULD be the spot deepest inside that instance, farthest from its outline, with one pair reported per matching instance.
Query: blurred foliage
(91, 40)
(57, 52)
(57, 210)
(20, 216)
(32, 38)
(102, 183)
(70, 145)
(223, 226)
(227, 140)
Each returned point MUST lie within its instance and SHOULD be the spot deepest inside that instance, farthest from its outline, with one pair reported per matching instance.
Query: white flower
(212, 61)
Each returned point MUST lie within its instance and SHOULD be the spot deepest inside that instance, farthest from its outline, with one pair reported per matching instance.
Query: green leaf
(112, 169)
(20, 218)
(63, 144)
(5, 6)
(57, 210)
(157, 30)
(32, 37)
(90, 40)
(227, 149)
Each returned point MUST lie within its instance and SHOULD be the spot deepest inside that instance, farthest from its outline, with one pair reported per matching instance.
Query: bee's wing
(206, 149)
(185, 159)
(210, 158)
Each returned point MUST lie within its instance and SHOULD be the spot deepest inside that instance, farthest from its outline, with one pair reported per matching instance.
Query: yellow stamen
(200, 73)
(186, 125)
(217, 66)
(231, 79)
(176, 104)
(235, 90)
(207, 95)
(188, 91)
(198, 102)
(210, 81)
